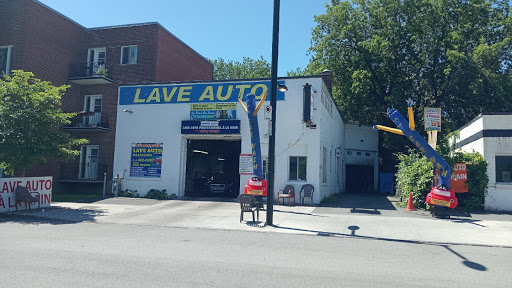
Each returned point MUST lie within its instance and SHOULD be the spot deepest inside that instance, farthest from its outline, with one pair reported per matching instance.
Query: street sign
(268, 112)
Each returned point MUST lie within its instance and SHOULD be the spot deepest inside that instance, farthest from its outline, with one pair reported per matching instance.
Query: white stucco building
(167, 138)
(490, 134)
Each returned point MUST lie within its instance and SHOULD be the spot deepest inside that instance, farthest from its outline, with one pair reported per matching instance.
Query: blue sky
(229, 29)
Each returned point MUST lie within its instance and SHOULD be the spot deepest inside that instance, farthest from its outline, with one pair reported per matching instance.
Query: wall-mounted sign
(210, 127)
(245, 166)
(213, 111)
(41, 185)
(194, 93)
(146, 160)
(432, 119)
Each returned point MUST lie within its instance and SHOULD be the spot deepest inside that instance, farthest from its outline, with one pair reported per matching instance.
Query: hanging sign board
(432, 119)
(245, 166)
(213, 111)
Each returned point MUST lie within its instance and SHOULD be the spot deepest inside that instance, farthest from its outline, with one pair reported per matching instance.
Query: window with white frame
(298, 168)
(503, 169)
(129, 55)
(5, 59)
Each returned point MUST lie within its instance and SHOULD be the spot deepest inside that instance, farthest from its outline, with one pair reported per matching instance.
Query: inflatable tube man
(256, 185)
(442, 194)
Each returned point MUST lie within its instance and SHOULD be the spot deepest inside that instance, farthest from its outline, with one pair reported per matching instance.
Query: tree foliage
(31, 123)
(453, 54)
(247, 69)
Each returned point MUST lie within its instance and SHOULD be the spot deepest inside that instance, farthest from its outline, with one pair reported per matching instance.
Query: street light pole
(273, 96)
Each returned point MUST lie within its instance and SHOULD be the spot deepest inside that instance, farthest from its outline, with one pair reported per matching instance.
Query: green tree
(453, 54)
(31, 123)
(247, 69)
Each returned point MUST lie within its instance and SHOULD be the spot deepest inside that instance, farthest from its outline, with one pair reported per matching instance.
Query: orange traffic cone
(410, 204)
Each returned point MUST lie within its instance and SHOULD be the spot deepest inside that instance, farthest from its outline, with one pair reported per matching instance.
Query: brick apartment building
(94, 61)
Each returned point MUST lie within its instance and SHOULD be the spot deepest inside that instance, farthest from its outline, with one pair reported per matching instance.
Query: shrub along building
(194, 139)
(94, 61)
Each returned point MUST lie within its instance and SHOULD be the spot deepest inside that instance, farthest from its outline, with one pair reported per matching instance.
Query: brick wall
(178, 62)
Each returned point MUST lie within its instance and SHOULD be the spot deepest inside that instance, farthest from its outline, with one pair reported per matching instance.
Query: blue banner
(194, 93)
(146, 160)
(210, 127)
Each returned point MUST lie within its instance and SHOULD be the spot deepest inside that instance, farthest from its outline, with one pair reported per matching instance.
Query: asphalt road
(46, 254)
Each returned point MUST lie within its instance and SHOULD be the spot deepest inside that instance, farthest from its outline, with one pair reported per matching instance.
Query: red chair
(287, 193)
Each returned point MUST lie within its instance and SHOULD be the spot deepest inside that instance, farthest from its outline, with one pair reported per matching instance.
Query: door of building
(97, 58)
(92, 105)
(89, 162)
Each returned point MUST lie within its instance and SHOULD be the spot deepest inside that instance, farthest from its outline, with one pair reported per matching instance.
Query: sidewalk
(416, 227)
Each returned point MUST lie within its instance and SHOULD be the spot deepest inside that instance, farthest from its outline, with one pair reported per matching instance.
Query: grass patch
(73, 197)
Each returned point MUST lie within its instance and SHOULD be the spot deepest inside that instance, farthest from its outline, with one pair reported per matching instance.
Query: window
(128, 55)
(264, 168)
(503, 169)
(298, 168)
(5, 59)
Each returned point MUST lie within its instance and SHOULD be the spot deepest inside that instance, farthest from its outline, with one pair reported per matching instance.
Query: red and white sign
(42, 185)
(458, 182)
(459, 179)
(268, 112)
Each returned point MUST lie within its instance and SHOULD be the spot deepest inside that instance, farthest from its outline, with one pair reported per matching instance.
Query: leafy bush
(160, 195)
(415, 174)
(329, 199)
(477, 180)
(128, 193)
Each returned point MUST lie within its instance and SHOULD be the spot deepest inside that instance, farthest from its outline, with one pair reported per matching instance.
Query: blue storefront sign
(210, 127)
(146, 160)
(194, 93)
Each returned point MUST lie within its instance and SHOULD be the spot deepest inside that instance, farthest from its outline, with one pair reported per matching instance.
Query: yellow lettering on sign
(263, 90)
(444, 173)
(136, 99)
(242, 88)
(255, 167)
(168, 97)
(154, 96)
(184, 91)
(228, 93)
(207, 93)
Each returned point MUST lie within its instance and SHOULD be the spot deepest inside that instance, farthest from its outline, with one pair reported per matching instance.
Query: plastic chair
(287, 193)
(25, 196)
(306, 191)
(248, 203)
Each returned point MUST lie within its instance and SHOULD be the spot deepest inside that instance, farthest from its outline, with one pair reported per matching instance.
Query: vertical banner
(40, 187)
(146, 160)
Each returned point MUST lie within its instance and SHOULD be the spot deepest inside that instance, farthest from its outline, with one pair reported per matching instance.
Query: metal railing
(85, 172)
(90, 120)
(90, 69)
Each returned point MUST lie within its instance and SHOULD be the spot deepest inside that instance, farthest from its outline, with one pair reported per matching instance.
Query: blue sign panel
(146, 160)
(210, 127)
(194, 93)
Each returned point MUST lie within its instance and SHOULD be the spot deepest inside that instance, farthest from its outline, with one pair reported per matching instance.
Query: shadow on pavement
(363, 203)
(53, 216)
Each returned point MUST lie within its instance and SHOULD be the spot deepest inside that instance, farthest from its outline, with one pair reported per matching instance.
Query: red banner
(458, 182)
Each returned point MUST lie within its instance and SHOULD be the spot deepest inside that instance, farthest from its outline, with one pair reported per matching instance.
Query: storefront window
(265, 169)
(298, 168)
(503, 168)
